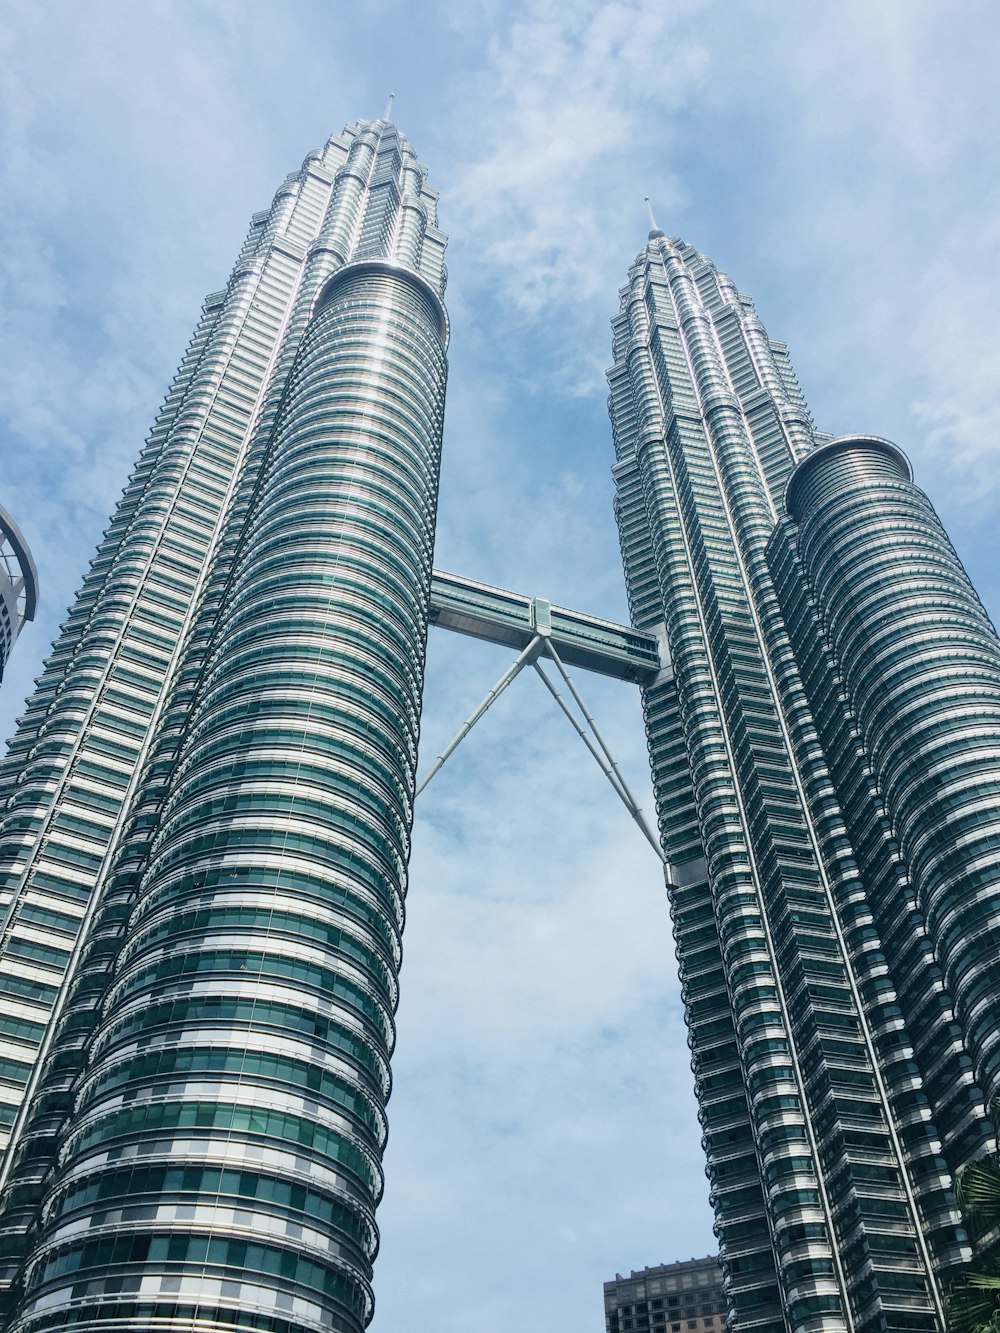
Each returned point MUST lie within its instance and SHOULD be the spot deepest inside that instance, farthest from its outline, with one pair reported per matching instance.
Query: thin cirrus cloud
(873, 186)
(571, 95)
(850, 145)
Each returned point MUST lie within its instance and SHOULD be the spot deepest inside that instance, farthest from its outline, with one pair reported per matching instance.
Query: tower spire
(388, 107)
(655, 232)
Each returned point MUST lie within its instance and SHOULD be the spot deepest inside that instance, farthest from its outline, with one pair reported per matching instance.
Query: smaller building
(674, 1297)
(18, 585)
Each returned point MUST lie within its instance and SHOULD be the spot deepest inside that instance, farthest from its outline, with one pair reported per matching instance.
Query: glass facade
(209, 799)
(825, 761)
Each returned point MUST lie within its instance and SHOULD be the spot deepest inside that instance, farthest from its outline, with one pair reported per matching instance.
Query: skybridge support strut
(605, 759)
(528, 655)
(534, 625)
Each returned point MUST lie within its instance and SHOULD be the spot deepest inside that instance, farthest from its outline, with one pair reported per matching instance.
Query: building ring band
(400, 271)
(822, 472)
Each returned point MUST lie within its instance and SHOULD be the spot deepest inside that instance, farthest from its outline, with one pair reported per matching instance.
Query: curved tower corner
(920, 664)
(201, 1133)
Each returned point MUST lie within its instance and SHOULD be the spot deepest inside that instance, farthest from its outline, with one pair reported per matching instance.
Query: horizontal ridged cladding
(949, 1103)
(782, 974)
(848, 460)
(248, 1026)
(109, 704)
(706, 488)
(283, 290)
(921, 665)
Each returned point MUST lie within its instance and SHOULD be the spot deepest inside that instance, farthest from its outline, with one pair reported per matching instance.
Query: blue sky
(839, 160)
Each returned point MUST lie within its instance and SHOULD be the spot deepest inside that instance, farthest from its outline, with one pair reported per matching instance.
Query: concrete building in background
(206, 808)
(18, 586)
(669, 1298)
(826, 761)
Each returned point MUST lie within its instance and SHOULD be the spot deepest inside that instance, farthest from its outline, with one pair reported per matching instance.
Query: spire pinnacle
(388, 107)
(654, 231)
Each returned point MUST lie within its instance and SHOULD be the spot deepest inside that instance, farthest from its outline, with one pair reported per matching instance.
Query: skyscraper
(208, 801)
(826, 760)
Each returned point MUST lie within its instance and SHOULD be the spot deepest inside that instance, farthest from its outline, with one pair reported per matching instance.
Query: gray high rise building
(207, 805)
(208, 801)
(670, 1298)
(826, 760)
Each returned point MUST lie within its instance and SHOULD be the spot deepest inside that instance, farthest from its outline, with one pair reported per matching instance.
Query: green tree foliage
(975, 1297)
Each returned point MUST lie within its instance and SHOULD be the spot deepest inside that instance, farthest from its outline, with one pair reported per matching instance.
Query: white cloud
(871, 200)
(570, 102)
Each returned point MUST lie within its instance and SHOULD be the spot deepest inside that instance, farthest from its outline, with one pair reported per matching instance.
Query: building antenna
(649, 210)
(388, 107)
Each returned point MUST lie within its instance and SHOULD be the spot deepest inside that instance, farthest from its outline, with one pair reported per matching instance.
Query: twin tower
(207, 805)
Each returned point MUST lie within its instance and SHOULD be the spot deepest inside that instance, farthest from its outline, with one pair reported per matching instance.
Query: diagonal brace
(605, 767)
(605, 759)
(528, 655)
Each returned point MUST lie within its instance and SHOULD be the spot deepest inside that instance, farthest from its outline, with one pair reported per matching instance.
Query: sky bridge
(515, 620)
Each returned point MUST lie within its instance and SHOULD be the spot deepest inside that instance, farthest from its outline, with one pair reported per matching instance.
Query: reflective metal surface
(920, 663)
(202, 1135)
(837, 1101)
(18, 585)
